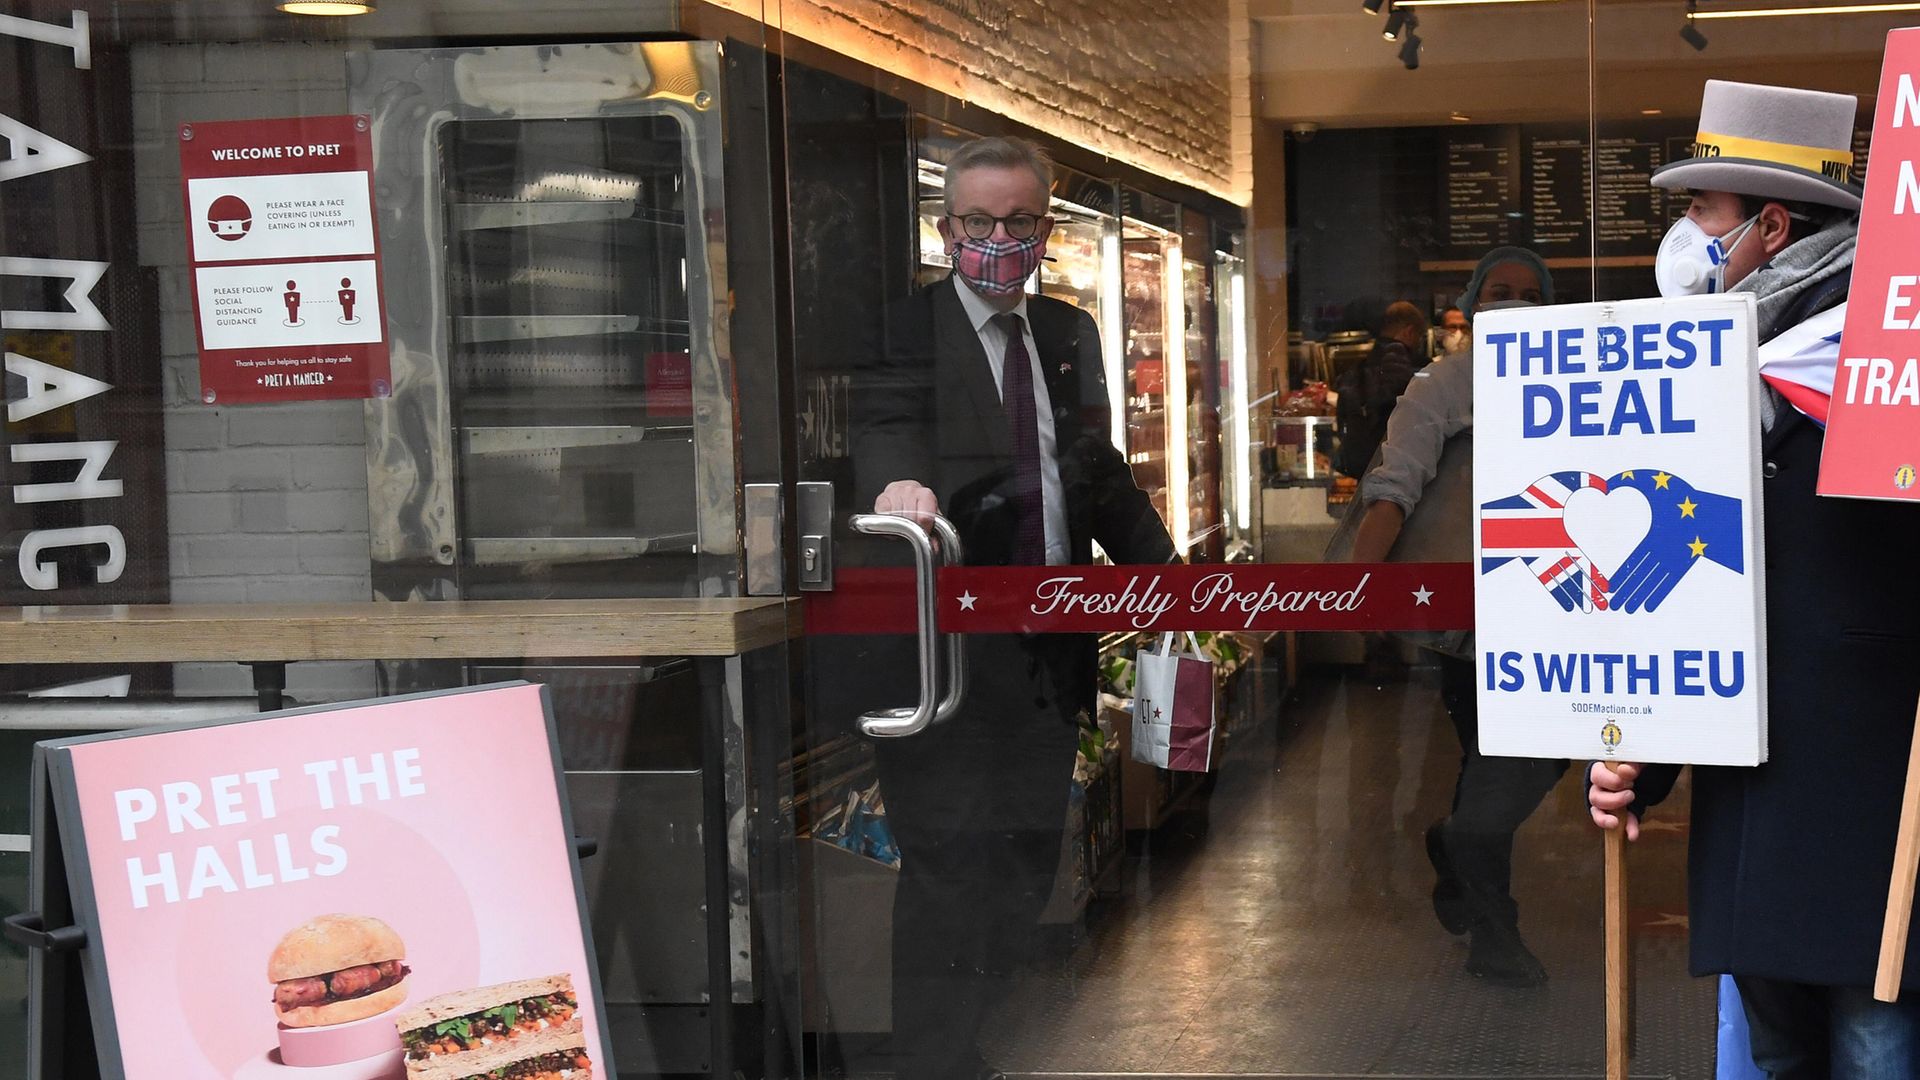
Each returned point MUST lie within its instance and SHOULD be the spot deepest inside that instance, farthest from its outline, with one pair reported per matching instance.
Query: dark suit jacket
(1788, 863)
(926, 408)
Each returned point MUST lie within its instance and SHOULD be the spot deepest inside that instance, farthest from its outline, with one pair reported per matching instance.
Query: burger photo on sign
(332, 976)
(335, 969)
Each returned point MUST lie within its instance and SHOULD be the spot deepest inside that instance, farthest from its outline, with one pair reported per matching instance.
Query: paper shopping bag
(1173, 715)
(1149, 738)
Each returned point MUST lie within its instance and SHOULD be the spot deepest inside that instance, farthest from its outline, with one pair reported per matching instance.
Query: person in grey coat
(1419, 492)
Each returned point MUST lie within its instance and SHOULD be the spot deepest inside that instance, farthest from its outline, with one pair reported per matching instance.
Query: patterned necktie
(1016, 396)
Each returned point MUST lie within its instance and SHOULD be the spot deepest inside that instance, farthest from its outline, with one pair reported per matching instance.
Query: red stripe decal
(1099, 599)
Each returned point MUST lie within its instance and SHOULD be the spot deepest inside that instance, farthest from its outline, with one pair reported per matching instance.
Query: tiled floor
(1282, 927)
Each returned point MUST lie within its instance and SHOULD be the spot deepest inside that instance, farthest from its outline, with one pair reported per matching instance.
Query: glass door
(1025, 878)
(964, 802)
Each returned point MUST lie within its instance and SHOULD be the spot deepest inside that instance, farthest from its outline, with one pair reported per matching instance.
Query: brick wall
(1149, 82)
(266, 503)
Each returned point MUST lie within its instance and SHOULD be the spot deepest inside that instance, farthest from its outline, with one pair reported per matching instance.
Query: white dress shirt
(994, 340)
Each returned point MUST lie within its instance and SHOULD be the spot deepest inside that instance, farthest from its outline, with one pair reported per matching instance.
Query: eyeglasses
(980, 226)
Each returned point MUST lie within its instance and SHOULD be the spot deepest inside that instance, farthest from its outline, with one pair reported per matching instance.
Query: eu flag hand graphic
(1688, 525)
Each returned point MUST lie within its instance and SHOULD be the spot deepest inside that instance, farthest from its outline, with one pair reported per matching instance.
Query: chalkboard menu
(1628, 211)
(1677, 146)
(1480, 187)
(1548, 186)
(1557, 193)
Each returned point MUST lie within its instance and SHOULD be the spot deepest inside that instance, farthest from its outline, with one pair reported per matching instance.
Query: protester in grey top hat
(1789, 862)
(1418, 501)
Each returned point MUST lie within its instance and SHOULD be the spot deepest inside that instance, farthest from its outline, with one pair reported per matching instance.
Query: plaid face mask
(996, 267)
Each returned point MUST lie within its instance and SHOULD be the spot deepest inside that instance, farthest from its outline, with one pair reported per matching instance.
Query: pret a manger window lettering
(49, 386)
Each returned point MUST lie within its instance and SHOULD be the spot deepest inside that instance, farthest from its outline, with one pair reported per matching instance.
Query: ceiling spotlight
(326, 7)
(1395, 20)
(1372, 7)
(1410, 51)
(1690, 33)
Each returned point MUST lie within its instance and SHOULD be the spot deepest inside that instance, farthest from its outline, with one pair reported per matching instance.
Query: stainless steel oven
(561, 416)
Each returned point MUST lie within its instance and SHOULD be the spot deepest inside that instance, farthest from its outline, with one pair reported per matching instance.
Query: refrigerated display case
(1200, 317)
(1155, 370)
(1086, 271)
(1242, 438)
(933, 262)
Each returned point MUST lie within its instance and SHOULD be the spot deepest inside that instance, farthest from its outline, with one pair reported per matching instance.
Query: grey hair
(999, 152)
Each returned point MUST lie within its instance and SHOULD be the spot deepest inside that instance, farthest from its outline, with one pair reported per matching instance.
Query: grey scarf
(1781, 282)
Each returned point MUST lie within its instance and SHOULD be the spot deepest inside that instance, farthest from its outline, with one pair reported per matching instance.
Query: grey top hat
(1775, 142)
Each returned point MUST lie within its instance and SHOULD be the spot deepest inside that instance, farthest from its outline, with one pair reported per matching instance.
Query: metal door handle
(952, 553)
(888, 723)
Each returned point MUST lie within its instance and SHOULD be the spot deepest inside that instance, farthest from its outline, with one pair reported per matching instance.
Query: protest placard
(1619, 605)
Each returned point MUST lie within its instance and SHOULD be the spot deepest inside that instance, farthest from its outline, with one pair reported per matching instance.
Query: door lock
(814, 505)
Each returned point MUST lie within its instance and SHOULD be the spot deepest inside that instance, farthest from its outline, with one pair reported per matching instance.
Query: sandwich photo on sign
(523, 1030)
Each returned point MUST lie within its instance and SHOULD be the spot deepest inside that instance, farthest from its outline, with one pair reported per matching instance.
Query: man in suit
(989, 406)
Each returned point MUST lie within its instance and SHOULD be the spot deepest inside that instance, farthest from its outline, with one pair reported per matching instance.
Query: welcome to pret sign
(286, 268)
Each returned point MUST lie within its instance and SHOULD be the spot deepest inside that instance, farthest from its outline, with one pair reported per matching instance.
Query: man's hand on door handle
(911, 498)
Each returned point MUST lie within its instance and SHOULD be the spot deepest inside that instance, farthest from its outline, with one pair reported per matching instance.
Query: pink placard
(1871, 449)
(438, 816)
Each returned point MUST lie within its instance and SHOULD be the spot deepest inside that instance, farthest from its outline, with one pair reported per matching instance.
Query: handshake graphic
(1611, 544)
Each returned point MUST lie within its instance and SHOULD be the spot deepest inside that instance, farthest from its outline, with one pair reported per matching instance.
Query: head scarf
(1471, 298)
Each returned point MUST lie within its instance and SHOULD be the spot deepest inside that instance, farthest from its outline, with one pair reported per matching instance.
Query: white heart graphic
(1607, 525)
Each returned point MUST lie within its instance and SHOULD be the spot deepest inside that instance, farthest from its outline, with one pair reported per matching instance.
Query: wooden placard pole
(1906, 858)
(1619, 973)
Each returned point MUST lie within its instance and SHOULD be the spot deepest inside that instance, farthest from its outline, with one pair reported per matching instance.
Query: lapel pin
(1064, 368)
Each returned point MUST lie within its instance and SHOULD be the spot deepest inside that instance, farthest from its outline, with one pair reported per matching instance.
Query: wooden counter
(381, 630)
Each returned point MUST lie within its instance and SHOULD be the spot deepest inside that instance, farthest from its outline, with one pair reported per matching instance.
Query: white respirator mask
(1691, 263)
